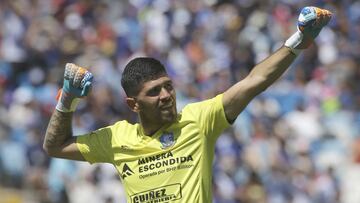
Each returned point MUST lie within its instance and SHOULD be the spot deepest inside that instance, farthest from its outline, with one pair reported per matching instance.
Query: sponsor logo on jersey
(162, 160)
(161, 194)
(167, 140)
(157, 157)
(126, 172)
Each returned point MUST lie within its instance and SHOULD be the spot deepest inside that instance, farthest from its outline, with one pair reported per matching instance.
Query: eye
(157, 89)
(154, 91)
(169, 87)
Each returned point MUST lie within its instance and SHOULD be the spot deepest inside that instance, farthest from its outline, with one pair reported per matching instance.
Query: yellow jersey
(173, 165)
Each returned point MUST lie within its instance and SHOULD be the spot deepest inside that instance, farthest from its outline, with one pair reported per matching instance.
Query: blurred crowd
(298, 142)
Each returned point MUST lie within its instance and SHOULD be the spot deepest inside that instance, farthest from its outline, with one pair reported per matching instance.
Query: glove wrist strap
(294, 41)
(66, 102)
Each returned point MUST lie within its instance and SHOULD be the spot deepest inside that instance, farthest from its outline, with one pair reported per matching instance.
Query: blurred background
(298, 142)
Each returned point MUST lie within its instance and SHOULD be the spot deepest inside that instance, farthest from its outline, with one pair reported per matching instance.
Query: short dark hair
(138, 71)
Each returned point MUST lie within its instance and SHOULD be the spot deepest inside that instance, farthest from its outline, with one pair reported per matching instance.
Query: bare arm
(59, 141)
(310, 22)
(237, 97)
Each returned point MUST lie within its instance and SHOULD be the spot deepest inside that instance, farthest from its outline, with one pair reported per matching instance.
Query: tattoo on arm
(58, 130)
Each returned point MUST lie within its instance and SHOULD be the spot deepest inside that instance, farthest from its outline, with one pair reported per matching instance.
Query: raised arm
(311, 21)
(264, 74)
(59, 140)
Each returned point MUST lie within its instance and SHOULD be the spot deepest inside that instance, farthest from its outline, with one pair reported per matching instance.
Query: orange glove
(310, 22)
(77, 84)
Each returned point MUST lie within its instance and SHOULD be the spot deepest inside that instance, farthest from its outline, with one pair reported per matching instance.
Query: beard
(159, 117)
(168, 115)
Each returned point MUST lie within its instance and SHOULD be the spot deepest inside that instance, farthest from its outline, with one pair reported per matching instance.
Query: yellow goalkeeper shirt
(173, 165)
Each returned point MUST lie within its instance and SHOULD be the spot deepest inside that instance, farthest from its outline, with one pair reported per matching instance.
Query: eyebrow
(160, 85)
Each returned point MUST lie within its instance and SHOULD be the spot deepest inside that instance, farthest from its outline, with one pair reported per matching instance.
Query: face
(156, 101)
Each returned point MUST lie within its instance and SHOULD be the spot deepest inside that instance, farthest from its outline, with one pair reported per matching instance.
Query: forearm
(261, 77)
(59, 130)
(310, 22)
(270, 69)
(59, 140)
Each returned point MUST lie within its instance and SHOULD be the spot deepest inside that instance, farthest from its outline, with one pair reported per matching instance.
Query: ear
(132, 103)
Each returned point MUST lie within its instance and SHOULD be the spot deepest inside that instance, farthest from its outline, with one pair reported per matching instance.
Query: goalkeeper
(167, 156)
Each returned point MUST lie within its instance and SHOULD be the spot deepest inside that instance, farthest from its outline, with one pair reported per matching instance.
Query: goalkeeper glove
(77, 84)
(310, 22)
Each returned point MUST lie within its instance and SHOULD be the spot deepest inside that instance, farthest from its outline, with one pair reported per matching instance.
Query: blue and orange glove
(310, 22)
(77, 84)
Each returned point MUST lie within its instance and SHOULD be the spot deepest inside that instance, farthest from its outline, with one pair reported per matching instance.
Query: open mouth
(168, 106)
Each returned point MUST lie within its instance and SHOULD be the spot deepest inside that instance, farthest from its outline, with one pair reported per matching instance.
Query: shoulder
(123, 126)
(214, 102)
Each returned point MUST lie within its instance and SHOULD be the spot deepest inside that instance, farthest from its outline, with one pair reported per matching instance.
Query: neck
(150, 128)
(151, 125)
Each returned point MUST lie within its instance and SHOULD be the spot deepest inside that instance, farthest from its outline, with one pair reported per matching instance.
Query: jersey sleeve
(210, 116)
(96, 147)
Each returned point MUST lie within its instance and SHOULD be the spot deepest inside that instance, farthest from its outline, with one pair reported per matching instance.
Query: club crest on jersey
(167, 140)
